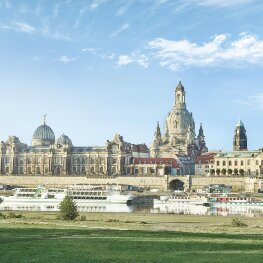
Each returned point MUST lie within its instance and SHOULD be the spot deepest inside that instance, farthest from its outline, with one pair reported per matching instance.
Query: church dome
(64, 140)
(180, 87)
(43, 136)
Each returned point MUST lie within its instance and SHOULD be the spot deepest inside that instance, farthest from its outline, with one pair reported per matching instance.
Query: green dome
(43, 136)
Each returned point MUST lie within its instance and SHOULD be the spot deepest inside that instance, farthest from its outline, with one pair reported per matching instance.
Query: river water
(184, 209)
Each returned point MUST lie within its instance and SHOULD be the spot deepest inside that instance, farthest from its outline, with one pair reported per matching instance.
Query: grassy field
(40, 237)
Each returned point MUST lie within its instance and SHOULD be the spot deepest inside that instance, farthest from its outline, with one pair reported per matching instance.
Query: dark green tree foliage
(68, 209)
(241, 172)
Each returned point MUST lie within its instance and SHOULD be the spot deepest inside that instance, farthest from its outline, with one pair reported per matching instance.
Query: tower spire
(44, 118)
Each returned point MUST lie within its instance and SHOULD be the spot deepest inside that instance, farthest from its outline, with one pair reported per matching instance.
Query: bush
(241, 171)
(237, 222)
(224, 171)
(68, 209)
(212, 171)
(229, 171)
(2, 215)
(82, 218)
(13, 215)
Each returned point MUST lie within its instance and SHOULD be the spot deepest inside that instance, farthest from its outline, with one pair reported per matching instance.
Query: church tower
(240, 137)
(179, 95)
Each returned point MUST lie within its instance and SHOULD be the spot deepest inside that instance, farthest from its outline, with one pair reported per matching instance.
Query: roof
(240, 124)
(160, 161)
(236, 154)
(205, 158)
(180, 87)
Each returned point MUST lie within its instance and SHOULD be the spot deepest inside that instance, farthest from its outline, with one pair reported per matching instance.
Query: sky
(98, 67)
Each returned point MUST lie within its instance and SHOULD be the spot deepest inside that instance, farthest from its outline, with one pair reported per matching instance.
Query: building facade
(47, 156)
(179, 136)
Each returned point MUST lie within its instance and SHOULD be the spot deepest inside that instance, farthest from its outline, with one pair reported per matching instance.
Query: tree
(68, 209)
(212, 171)
(235, 171)
(229, 171)
(224, 171)
(217, 171)
(241, 172)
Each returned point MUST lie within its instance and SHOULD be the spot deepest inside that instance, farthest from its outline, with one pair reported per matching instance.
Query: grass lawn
(42, 238)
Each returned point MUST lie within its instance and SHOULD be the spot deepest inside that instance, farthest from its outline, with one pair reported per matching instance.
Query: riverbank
(121, 237)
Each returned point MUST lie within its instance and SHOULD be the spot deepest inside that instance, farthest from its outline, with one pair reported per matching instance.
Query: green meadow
(41, 237)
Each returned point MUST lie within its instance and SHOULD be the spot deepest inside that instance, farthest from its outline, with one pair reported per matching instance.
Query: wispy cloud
(208, 3)
(119, 30)
(98, 53)
(219, 51)
(257, 100)
(18, 26)
(96, 3)
(220, 3)
(24, 27)
(123, 9)
(252, 101)
(136, 57)
(65, 59)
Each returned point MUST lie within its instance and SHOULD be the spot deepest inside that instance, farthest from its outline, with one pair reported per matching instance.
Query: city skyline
(94, 78)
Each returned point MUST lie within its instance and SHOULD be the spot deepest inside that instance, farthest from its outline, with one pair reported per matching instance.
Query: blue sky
(101, 66)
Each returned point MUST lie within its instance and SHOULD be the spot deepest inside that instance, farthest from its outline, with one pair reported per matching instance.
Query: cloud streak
(19, 27)
(65, 59)
(136, 57)
(120, 30)
(219, 51)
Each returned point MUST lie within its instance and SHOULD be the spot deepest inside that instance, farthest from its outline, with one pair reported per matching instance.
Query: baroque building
(240, 137)
(179, 136)
(49, 157)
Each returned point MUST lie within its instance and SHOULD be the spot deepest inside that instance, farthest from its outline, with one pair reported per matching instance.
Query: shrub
(68, 209)
(217, 171)
(13, 215)
(241, 171)
(224, 171)
(212, 171)
(229, 171)
(235, 171)
(2, 215)
(238, 222)
(82, 218)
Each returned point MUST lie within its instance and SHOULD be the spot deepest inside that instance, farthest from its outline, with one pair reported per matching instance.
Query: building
(50, 157)
(154, 167)
(204, 163)
(179, 136)
(240, 137)
(238, 163)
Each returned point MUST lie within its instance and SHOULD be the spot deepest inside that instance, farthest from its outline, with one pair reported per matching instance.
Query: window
(248, 162)
(152, 170)
(217, 163)
(242, 163)
(230, 163)
(224, 163)
(256, 162)
(236, 163)
(7, 160)
(101, 170)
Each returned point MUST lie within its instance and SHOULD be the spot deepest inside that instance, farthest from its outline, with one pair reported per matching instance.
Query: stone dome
(64, 140)
(43, 136)
(180, 87)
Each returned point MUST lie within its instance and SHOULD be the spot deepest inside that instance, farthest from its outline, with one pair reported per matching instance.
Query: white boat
(182, 199)
(226, 200)
(180, 208)
(41, 198)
